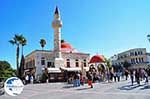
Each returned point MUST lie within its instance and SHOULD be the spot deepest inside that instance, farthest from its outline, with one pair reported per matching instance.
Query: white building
(137, 57)
(63, 56)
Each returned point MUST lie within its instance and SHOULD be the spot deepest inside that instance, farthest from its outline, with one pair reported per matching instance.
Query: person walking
(26, 79)
(90, 78)
(137, 76)
(118, 76)
(82, 79)
(126, 74)
(146, 77)
(132, 77)
(31, 79)
(115, 76)
(76, 81)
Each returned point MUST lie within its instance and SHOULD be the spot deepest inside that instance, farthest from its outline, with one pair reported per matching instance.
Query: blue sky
(94, 26)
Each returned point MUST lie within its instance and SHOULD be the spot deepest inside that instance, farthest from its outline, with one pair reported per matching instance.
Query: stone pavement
(103, 90)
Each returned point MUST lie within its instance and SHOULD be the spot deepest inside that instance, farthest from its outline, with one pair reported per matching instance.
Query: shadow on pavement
(129, 87)
(145, 87)
(2, 92)
(84, 88)
(68, 86)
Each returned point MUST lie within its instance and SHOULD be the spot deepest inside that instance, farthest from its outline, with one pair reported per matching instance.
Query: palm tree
(23, 42)
(22, 62)
(42, 43)
(16, 41)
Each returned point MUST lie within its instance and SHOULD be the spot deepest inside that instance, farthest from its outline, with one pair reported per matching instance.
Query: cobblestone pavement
(103, 90)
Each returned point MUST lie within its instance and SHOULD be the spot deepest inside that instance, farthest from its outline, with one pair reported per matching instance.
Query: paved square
(103, 90)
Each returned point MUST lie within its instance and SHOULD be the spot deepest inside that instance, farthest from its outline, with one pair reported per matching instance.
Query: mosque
(64, 57)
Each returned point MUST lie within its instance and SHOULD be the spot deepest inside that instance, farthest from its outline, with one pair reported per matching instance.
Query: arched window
(42, 61)
(49, 64)
(142, 60)
(77, 63)
(136, 60)
(141, 53)
(139, 60)
(135, 53)
(84, 62)
(68, 63)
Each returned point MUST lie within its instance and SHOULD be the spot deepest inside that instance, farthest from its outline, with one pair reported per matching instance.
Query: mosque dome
(97, 59)
(65, 45)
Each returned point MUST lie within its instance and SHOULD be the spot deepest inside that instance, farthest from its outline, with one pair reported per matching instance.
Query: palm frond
(12, 42)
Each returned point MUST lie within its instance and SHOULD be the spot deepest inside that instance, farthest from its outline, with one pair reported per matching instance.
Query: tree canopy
(5, 70)
(126, 64)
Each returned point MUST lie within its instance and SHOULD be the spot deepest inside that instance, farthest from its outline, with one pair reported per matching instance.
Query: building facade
(63, 56)
(138, 58)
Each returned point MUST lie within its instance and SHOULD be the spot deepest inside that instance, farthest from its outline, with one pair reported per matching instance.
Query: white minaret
(57, 24)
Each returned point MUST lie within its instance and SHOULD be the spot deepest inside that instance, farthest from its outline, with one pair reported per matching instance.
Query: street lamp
(148, 37)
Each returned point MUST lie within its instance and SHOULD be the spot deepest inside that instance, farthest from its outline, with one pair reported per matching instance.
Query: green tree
(108, 63)
(5, 70)
(126, 64)
(42, 43)
(16, 41)
(23, 42)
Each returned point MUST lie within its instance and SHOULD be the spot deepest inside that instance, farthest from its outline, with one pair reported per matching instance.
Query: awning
(53, 70)
(74, 68)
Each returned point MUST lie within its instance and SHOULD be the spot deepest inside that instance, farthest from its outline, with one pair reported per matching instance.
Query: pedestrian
(90, 79)
(137, 76)
(82, 79)
(118, 76)
(146, 77)
(111, 75)
(115, 76)
(76, 81)
(126, 74)
(31, 79)
(132, 77)
(26, 79)
(108, 75)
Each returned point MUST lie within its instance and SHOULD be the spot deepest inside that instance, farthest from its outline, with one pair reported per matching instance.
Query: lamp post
(148, 37)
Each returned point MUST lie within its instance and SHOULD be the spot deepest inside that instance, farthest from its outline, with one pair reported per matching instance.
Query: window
(141, 53)
(131, 53)
(77, 63)
(136, 60)
(135, 53)
(84, 62)
(125, 56)
(142, 60)
(42, 61)
(133, 61)
(49, 64)
(139, 60)
(68, 62)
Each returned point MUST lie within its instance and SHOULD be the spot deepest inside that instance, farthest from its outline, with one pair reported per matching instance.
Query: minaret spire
(57, 24)
(56, 10)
